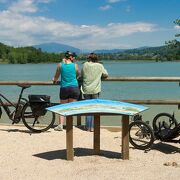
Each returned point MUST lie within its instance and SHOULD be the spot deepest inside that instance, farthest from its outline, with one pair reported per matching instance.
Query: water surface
(110, 90)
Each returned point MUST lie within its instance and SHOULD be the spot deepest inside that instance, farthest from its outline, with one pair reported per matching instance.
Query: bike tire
(141, 135)
(37, 123)
(169, 119)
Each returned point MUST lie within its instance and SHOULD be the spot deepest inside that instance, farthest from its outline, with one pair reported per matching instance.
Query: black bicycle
(165, 129)
(32, 112)
(141, 135)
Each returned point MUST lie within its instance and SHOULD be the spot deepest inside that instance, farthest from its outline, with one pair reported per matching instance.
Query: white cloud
(108, 6)
(176, 27)
(23, 6)
(84, 26)
(115, 1)
(44, 1)
(105, 8)
(21, 29)
(26, 6)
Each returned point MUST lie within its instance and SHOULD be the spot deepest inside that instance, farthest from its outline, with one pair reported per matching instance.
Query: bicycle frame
(5, 107)
(23, 110)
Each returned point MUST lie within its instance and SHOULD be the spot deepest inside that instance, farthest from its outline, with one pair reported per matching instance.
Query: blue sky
(89, 24)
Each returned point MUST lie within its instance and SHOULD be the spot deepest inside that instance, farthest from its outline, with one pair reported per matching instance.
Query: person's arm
(104, 73)
(77, 70)
(57, 74)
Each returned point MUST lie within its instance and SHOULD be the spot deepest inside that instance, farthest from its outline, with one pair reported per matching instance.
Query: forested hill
(22, 55)
(163, 53)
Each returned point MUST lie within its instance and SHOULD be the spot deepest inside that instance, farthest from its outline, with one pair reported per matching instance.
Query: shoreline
(82, 61)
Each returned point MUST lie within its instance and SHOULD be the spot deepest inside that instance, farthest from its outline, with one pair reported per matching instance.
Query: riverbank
(42, 156)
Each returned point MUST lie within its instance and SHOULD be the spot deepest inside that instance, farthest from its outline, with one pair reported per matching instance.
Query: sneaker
(58, 128)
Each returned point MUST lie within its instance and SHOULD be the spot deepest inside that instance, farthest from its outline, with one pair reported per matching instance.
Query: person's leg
(72, 100)
(93, 96)
(63, 100)
(61, 118)
(74, 93)
(88, 119)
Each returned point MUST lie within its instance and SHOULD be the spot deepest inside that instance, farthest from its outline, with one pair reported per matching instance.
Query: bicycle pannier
(38, 103)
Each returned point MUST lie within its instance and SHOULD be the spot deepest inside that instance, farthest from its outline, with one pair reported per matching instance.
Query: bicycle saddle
(24, 85)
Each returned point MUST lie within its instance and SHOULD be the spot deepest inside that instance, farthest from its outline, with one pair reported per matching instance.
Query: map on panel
(97, 106)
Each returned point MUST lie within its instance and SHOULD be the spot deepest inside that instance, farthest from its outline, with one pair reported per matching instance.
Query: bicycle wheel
(141, 135)
(164, 121)
(37, 123)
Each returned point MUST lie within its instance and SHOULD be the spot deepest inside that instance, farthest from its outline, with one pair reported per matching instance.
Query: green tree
(177, 21)
(173, 46)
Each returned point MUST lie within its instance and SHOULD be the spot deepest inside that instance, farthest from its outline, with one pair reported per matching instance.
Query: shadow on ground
(61, 154)
(166, 148)
(161, 147)
(15, 130)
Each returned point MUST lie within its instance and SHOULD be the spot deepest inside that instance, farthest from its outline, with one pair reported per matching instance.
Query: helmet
(68, 54)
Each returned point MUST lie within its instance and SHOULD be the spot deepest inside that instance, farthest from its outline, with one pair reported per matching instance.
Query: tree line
(23, 55)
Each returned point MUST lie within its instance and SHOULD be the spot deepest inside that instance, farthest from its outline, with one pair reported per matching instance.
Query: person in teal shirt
(68, 71)
(91, 73)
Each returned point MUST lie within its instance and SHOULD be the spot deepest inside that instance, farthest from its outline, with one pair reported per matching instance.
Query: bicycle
(32, 112)
(141, 135)
(165, 129)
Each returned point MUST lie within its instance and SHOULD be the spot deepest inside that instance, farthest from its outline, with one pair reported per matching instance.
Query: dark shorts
(91, 96)
(70, 92)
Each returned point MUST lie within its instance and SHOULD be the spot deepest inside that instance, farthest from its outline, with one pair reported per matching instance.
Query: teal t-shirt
(68, 75)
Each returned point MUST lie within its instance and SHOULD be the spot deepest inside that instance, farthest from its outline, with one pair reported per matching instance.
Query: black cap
(74, 54)
(68, 54)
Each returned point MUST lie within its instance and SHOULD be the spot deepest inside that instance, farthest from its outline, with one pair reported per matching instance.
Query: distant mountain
(56, 48)
(59, 48)
(146, 49)
(106, 51)
(143, 47)
(109, 51)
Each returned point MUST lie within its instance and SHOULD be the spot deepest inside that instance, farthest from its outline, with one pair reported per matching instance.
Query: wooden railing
(140, 79)
(137, 79)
